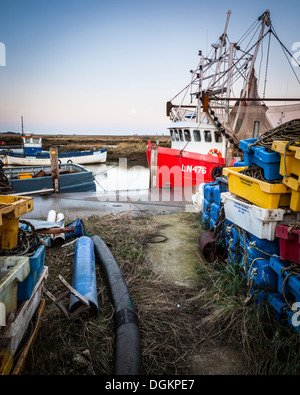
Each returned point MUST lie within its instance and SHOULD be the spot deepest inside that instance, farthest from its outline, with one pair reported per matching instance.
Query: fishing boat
(205, 133)
(72, 178)
(33, 155)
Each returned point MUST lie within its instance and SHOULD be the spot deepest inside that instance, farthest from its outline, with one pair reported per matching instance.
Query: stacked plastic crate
(21, 279)
(260, 212)
(211, 201)
(287, 302)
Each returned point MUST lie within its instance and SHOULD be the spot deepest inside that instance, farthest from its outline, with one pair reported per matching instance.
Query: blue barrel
(79, 229)
(84, 276)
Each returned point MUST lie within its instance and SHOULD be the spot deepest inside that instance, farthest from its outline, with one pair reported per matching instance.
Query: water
(120, 176)
(121, 187)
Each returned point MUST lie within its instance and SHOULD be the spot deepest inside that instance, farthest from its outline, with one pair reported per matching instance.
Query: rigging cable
(246, 53)
(284, 51)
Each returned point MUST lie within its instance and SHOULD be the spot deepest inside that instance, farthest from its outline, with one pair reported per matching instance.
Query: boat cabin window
(172, 135)
(196, 134)
(187, 135)
(176, 134)
(35, 140)
(27, 139)
(207, 136)
(218, 137)
(181, 135)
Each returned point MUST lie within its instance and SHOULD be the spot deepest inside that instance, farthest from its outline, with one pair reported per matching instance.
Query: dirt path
(176, 260)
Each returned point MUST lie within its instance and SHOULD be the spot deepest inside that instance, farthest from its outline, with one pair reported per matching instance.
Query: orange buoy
(215, 151)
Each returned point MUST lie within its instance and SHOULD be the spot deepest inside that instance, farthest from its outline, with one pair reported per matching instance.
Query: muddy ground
(159, 259)
(131, 147)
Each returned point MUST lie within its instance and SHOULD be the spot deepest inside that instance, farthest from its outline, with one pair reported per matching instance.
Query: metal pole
(221, 47)
(266, 16)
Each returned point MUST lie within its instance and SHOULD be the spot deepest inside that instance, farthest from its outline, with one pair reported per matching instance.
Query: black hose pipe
(128, 349)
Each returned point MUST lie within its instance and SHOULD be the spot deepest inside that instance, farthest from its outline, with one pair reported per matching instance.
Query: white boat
(33, 155)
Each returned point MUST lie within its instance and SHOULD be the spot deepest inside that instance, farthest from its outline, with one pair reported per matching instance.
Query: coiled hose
(128, 350)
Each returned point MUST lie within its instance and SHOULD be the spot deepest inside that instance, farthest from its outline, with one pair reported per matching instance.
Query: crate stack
(21, 279)
(259, 235)
(211, 201)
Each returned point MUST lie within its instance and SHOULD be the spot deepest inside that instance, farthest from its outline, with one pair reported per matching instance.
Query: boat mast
(221, 47)
(266, 21)
(200, 86)
(229, 77)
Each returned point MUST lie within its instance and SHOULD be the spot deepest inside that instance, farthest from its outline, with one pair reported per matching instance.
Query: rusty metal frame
(83, 308)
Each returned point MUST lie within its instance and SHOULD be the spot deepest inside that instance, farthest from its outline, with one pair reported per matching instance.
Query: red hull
(177, 168)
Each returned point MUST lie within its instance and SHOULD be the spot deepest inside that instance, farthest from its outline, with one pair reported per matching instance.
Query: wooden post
(229, 156)
(54, 169)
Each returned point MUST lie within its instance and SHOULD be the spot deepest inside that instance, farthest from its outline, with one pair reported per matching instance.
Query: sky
(110, 66)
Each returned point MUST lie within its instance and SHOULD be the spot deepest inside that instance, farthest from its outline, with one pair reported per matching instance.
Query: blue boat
(72, 177)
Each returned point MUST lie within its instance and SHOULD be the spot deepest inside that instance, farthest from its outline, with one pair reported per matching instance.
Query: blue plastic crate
(239, 164)
(279, 305)
(261, 248)
(217, 190)
(248, 153)
(234, 257)
(232, 237)
(259, 296)
(205, 220)
(36, 262)
(279, 265)
(294, 286)
(268, 161)
(214, 211)
(263, 275)
(206, 206)
(212, 223)
(208, 191)
(283, 313)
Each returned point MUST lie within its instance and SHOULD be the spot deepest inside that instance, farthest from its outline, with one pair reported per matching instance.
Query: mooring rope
(289, 131)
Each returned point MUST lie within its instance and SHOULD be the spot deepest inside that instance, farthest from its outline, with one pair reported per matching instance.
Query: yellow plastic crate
(291, 163)
(260, 193)
(293, 183)
(11, 209)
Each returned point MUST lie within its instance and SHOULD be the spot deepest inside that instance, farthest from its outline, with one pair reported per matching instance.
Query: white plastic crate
(14, 332)
(260, 222)
(12, 270)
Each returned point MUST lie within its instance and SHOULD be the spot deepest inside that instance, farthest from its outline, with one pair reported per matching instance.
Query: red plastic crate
(289, 243)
